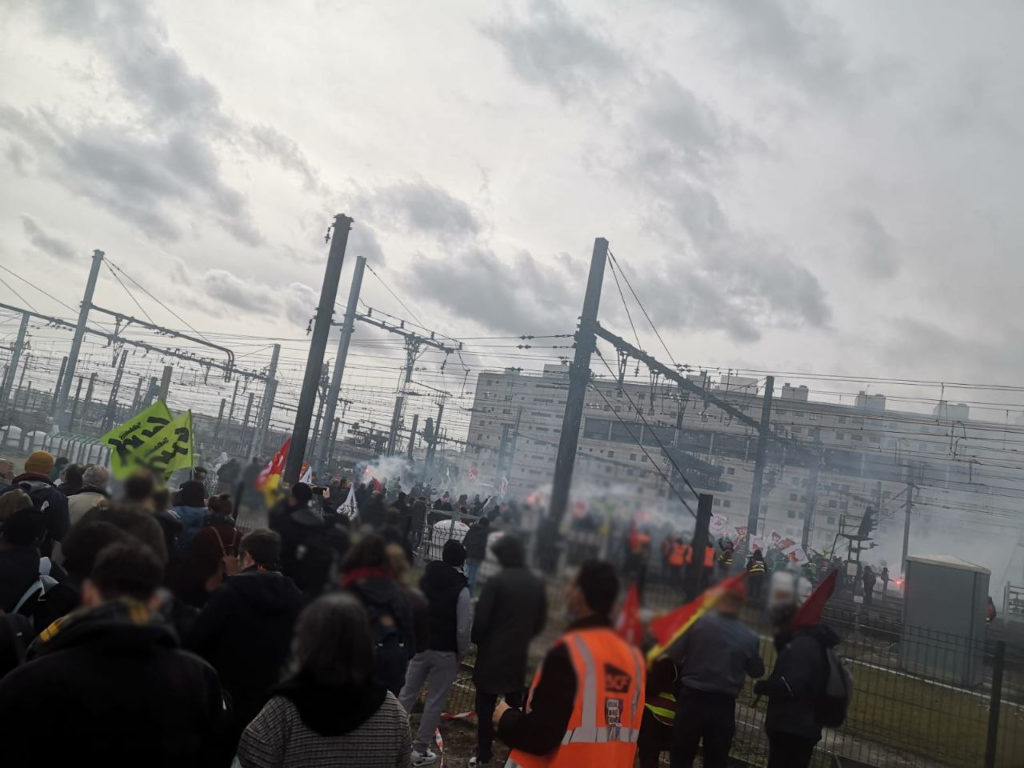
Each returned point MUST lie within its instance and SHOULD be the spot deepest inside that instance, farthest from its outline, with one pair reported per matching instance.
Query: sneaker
(423, 758)
(476, 762)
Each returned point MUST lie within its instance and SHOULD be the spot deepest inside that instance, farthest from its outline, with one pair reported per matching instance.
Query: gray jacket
(716, 654)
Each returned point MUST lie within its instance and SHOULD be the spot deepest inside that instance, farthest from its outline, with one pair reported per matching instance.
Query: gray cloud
(909, 346)
(268, 141)
(524, 296)
(789, 39)
(419, 207)
(134, 177)
(238, 292)
(552, 49)
(300, 302)
(48, 244)
(874, 249)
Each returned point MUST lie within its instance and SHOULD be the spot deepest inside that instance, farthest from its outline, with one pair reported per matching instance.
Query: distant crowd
(146, 627)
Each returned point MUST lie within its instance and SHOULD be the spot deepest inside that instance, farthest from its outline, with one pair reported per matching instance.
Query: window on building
(718, 502)
(643, 459)
(611, 454)
(841, 419)
(833, 503)
(727, 503)
(792, 497)
(730, 470)
(791, 514)
(632, 457)
(830, 520)
(858, 438)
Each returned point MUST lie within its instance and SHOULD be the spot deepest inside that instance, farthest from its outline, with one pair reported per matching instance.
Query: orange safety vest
(607, 711)
(709, 557)
(678, 555)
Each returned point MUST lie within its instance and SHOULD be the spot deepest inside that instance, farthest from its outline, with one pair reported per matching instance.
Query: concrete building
(866, 455)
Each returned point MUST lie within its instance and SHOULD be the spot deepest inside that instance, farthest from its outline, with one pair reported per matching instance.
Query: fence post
(994, 703)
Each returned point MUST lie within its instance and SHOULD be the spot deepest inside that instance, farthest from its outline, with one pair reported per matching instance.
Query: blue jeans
(472, 568)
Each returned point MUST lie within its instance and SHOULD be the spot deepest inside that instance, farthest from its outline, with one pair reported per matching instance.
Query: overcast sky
(826, 186)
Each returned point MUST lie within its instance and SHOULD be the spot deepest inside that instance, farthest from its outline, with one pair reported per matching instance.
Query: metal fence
(910, 706)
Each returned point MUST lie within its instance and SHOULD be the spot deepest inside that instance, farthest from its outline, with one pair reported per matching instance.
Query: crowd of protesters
(146, 627)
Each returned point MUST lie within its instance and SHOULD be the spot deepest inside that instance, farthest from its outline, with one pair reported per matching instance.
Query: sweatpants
(786, 750)
(702, 717)
(438, 670)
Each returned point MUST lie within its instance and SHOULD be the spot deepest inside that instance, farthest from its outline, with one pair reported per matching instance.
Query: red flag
(669, 627)
(809, 614)
(628, 625)
(275, 467)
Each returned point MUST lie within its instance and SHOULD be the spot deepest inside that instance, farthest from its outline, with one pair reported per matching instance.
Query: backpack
(392, 657)
(36, 593)
(40, 492)
(835, 700)
(230, 564)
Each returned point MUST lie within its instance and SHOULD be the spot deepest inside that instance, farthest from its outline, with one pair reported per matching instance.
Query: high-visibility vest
(663, 707)
(608, 708)
(725, 559)
(709, 557)
(678, 555)
(756, 566)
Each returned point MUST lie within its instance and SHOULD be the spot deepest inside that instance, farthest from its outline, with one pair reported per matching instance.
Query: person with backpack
(25, 576)
(450, 610)
(245, 628)
(367, 574)
(48, 499)
(797, 691)
(213, 554)
(311, 546)
(190, 507)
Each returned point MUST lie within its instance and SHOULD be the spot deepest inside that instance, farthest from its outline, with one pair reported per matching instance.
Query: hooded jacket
(511, 611)
(448, 601)
(48, 498)
(798, 682)
(115, 688)
(244, 631)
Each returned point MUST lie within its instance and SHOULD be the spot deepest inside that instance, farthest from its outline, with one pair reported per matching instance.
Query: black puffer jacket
(110, 687)
(442, 585)
(245, 631)
(511, 611)
(798, 682)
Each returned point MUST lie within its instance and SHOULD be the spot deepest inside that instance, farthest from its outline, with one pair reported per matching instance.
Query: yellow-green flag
(127, 439)
(169, 449)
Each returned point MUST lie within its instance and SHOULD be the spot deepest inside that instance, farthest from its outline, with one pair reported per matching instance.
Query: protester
(990, 611)
(57, 470)
(93, 492)
(71, 479)
(20, 530)
(228, 475)
(725, 557)
(679, 556)
(417, 600)
(329, 712)
(251, 497)
(794, 690)
(659, 713)
(190, 507)
(511, 611)
(212, 556)
(417, 523)
(589, 666)
(476, 549)
(868, 578)
(310, 546)
(714, 656)
(245, 628)
(884, 578)
(6, 474)
(757, 575)
(450, 609)
(48, 499)
(367, 574)
(108, 686)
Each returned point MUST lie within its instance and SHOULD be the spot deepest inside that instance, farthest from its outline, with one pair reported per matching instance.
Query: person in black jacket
(367, 574)
(476, 548)
(245, 628)
(49, 501)
(511, 611)
(310, 546)
(109, 686)
(450, 612)
(793, 690)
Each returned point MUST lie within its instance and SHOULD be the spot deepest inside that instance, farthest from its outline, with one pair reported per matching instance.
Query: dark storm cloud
(552, 49)
(874, 251)
(48, 244)
(528, 295)
(419, 207)
(134, 177)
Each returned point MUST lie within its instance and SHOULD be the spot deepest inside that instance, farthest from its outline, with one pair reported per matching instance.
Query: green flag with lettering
(126, 440)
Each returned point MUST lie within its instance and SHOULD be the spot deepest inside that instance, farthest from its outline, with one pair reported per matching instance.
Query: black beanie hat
(302, 493)
(453, 554)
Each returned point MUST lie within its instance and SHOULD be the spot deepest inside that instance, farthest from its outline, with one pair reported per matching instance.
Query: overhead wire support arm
(126, 320)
